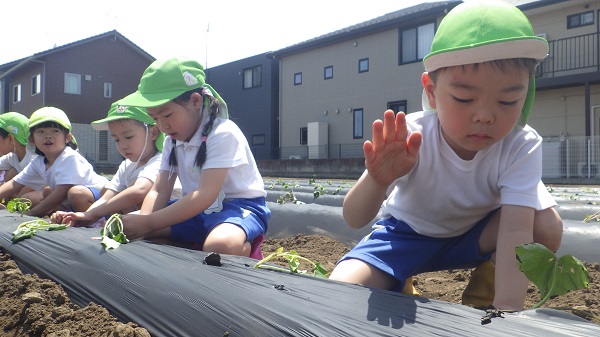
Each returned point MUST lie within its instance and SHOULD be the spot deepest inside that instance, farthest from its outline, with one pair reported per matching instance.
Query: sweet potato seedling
(293, 261)
(18, 205)
(27, 229)
(112, 233)
(552, 276)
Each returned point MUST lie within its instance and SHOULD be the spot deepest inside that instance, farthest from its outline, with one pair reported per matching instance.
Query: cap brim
(523, 48)
(100, 126)
(139, 99)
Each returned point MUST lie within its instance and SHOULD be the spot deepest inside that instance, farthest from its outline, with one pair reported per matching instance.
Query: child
(459, 185)
(223, 209)
(14, 149)
(59, 165)
(139, 140)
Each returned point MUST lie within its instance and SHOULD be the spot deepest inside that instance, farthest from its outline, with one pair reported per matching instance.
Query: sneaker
(255, 251)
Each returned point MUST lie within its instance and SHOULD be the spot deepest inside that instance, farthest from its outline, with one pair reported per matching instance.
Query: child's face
(176, 120)
(477, 107)
(130, 138)
(6, 145)
(51, 141)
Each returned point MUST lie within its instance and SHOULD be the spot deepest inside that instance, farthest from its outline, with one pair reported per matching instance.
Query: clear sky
(213, 32)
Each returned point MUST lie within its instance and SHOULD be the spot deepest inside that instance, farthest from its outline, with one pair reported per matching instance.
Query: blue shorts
(251, 215)
(95, 192)
(396, 249)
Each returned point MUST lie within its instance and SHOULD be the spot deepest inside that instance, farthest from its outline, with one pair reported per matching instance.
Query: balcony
(571, 56)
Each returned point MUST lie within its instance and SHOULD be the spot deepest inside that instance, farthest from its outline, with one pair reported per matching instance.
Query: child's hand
(391, 154)
(58, 217)
(78, 219)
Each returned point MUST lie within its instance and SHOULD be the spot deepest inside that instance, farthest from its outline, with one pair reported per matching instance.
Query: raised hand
(392, 153)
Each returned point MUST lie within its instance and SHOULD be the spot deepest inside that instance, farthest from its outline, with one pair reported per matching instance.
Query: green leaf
(552, 276)
(319, 270)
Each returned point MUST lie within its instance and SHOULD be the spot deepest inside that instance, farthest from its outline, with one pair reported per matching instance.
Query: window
(328, 72)
(303, 136)
(103, 146)
(107, 90)
(72, 84)
(397, 106)
(580, 19)
(252, 77)
(415, 43)
(363, 65)
(358, 123)
(297, 78)
(36, 84)
(17, 93)
(258, 139)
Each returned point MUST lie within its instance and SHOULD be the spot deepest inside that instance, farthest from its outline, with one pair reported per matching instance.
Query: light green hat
(165, 80)
(119, 112)
(482, 31)
(17, 125)
(49, 114)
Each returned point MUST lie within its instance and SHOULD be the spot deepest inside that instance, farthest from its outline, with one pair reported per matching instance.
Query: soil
(31, 306)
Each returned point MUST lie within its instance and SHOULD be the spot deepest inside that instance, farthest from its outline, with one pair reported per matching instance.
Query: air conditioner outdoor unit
(582, 169)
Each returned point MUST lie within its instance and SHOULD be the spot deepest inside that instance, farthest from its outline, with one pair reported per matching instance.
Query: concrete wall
(338, 168)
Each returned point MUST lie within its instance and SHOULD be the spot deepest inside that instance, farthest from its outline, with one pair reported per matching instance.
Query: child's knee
(548, 228)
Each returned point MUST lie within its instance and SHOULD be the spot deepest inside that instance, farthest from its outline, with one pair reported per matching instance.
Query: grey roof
(409, 15)
(10, 65)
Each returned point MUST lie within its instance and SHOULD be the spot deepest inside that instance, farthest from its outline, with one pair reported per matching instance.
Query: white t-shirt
(226, 148)
(128, 173)
(70, 168)
(444, 195)
(11, 160)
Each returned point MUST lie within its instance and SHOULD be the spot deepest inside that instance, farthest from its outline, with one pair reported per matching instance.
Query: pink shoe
(255, 251)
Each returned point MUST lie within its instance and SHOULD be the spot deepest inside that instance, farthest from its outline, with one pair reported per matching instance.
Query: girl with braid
(223, 208)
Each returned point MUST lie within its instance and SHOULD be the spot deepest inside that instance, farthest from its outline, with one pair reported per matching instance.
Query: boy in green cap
(459, 184)
(139, 140)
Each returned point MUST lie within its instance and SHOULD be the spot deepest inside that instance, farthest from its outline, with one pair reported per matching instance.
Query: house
(333, 86)
(251, 89)
(83, 79)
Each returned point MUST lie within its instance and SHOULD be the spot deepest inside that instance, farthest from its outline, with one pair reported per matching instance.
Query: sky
(213, 32)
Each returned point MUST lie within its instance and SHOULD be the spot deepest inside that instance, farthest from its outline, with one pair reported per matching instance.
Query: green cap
(119, 112)
(17, 125)
(482, 31)
(49, 114)
(165, 80)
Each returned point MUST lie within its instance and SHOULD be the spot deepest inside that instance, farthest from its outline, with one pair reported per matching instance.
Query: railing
(571, 55)
(568, 160)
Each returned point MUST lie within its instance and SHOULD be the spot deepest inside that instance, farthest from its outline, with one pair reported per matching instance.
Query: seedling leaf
(112, 232)
(552, 276)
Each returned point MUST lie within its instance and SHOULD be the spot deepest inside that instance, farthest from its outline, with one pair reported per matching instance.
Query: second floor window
(73, 84)
(36, 84)
(297, 78)
(415, 43)
(17, 93)
(580, 19)
(252, 77)
(363, 65)
(328, 72)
